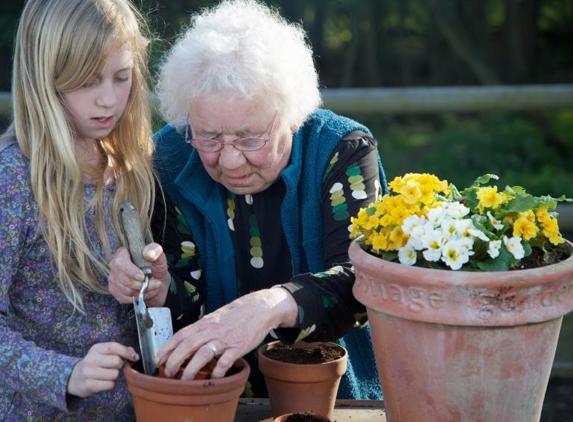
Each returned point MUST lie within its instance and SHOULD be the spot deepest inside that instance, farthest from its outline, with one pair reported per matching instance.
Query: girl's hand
(99, 369)
(126, 279)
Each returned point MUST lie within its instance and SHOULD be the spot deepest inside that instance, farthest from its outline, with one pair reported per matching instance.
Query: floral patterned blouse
(41, 336)
(351, 181)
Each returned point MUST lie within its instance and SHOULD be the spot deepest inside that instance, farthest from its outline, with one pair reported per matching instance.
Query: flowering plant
(428, 222)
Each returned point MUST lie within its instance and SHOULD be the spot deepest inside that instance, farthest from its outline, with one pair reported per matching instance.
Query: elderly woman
(259, 188)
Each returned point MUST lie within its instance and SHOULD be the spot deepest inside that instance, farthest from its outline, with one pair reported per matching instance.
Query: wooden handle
(131, 228)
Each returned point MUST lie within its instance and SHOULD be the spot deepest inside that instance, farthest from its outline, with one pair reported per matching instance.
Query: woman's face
(241, 172)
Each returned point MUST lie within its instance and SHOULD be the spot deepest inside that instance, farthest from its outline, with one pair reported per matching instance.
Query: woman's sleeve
(186, 297)
(327, 308)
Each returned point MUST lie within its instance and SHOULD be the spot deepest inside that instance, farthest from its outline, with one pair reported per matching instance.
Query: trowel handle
(131, 228)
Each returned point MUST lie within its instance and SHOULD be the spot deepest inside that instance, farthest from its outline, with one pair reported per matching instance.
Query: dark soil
(204, 373)
(537, 259)
(558, 403)
(304, 417)
(304, 353)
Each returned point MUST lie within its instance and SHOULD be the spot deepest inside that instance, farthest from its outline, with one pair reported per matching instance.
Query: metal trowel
(154, 325)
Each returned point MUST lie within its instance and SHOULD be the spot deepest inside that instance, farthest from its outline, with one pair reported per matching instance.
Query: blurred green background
(423, 43)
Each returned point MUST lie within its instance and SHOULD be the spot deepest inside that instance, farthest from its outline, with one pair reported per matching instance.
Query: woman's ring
(212, 346)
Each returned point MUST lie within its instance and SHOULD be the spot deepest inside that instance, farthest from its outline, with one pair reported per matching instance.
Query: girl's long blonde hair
(60, 44)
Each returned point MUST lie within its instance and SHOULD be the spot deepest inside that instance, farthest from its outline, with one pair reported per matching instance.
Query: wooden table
(259, 410)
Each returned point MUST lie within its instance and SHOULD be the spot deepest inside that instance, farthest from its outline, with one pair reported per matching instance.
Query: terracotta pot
(296, 388)
(291, 417)
(156, 398)
(463, 346)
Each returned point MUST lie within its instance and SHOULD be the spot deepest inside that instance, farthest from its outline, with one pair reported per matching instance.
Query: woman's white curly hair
(240, 49)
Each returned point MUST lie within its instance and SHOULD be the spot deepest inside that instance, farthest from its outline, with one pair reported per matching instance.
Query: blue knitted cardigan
(192, 190)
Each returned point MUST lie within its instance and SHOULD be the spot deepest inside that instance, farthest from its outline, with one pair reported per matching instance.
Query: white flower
(465, 228)
(450, 228)
(436, 214)
(418, 234)
(432, 255)
(412, 222)
(514, 246)
(493, 248)
(433, 242)
(495, 223)
(455, 254)
(467, 243)
(478, 233)
(456, 209)
(407, 255)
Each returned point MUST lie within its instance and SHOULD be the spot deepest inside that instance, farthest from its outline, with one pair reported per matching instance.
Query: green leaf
(370, 211)
(521, 204)
(390, 256)
(493, 265)
(484, 180)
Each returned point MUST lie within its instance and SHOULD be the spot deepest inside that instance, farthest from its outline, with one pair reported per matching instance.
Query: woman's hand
(99, 369)
(126, 279)
(229, 332)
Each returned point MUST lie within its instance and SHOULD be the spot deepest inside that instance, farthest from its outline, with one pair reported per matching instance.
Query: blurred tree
(396, 42)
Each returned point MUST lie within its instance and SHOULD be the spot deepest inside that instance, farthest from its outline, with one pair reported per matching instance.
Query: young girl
(80, 142)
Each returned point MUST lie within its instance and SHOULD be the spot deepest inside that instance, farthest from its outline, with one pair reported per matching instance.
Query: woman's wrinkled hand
(126, 279)
(228, 333)
(99, 369)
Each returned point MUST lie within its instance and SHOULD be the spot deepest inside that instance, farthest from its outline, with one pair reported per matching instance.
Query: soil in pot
(203, 374)
(302, 417)
(312, 354)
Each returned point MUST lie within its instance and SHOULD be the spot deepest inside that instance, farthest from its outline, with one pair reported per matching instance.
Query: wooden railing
(432, 99)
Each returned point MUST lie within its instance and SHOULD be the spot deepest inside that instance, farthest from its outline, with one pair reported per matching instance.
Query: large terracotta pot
(462, 346)
(295, 388)
(157, 399)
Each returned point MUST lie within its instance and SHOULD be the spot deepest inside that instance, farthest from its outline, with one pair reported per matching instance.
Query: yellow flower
(386, 220)
(524, 227)
(364, 221)
(397, 239)
(379, 242)
(529, 215)
(395, 184)
(398, 215)
(551, 231)
(410, 192)
(488, 198)
(542, 215)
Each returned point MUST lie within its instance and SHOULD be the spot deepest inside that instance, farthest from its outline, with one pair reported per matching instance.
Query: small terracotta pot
(309, 416)
(300, 388)
(156, 398)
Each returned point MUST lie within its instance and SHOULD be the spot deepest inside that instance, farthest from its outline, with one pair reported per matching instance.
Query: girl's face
(95, 108)
(241, 172)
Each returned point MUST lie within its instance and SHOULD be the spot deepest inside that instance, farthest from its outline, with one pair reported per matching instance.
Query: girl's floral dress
(42, 338)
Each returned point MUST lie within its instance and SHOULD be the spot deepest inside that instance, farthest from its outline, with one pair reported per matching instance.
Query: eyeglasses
(215, 144)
